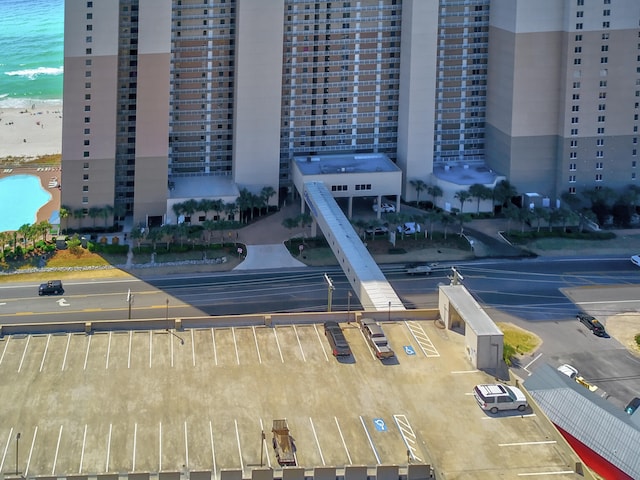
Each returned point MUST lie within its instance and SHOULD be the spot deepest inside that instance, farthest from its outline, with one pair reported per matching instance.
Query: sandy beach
(31, 132)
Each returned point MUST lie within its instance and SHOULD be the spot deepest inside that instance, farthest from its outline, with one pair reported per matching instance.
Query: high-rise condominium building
(202, 98)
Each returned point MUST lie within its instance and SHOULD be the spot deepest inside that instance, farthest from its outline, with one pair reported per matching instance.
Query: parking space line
(44, 354)
(344, 444)
(299, 343)
(106, 365)
(213, 341)
(129, 355)
(239, 447)
(519, 444)
(408, 435)
(509, 416)
(278, 344)
(255, 339)
(66, 352)
(313, 429)
(24, 352)
(423, 340)
(33, 443)
(106, 469)
(539, 474)
(6, 344)
(326, 357)
(84, 443)
(86, 355)
(373, 448)
(264, 443)
(464, 371)
(6, 447)
(55, 457)
(159, 446)
(150, 347)
(235, 344)
(135, 440)
(193, 348)
(213, 450)
(186, 446)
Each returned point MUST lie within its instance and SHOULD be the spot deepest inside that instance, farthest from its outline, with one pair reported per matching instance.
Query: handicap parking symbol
(408, 349)
(380, 425)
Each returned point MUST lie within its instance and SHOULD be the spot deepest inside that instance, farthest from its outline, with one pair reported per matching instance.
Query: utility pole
(17, 445)
(330, 289)
(349, 306)
(130, 301)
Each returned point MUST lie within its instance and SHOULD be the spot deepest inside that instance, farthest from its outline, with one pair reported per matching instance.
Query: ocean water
(31, 51)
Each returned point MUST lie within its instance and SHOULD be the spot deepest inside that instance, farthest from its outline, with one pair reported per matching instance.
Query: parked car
(497, 397)
(377, 231)
(337, 340)
(376, 338)
(568, 370)
(409, 228)
(384, 208)
(635, 259)
(417, 269)
(633, 406)
(52, 287)
(593, 324)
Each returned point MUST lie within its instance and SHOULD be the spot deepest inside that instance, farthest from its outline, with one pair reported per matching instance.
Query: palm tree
(25, 232)
(434, 216)
(480, 192)
(244, 202)
(435, 191)
(571, 200)
(105, 213)
(154, 235)
(512, 213)
(217, 206)
(189, 208)
(5, 237)
(177, 210)
(290, 224)
(78, 214)
(462, 196)
(94, 212)
(205, 206)
(137, 234)
(541, 213)
(504, 192)
(524, 215)
(209, 226)
(230, 209)
(44, 227)
(64, 213)
(446, 220)
(419, 186)
(266, 193)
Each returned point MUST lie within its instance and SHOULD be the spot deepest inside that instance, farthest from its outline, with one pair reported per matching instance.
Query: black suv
(593, 324)
(52, 287)
(339, 344)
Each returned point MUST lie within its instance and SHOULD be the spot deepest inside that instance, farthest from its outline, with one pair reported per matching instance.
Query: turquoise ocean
(31, 52)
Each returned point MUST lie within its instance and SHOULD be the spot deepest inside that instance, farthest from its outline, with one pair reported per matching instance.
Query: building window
(599, 154)
(572, 167)
(633, 175)
(634, 140)
(88, 62)
(85, 188)
(604, 59)
(600, 130)
(574, 143)
(602, 95)
(574, 131)
(576, 96)
(606, 13)
(599, 165)
(85, 177)
(604, 48)
(85, 165)
(602, 107)
(577, 61)
(600, 142)
(89, 39)
(573, 155)
(606, 24)
(87, 119)
(578, 38)
(85, 154)
(89, 16)
(576, 84)
(87, 108)
(85, 199)
(87, 51)
(575, 108)
(598, 177)
(578, 26)
(577, 50)
(601, 118)
(579, 14)
(634, 153)
(605, 36)
(89, 28)
(603, 83)
(572, 179)
(87, 131)
(89, 4)
(572, 190)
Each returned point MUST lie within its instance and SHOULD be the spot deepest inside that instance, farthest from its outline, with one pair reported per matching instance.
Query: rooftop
(466, 173)
(345, 163)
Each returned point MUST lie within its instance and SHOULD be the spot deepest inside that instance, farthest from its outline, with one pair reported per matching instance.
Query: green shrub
(637, 338)
(508, 352)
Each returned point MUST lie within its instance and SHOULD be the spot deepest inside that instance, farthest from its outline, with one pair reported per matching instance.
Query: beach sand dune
(31, 132)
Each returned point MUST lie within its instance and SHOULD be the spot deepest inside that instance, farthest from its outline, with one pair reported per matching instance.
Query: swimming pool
(21, 196)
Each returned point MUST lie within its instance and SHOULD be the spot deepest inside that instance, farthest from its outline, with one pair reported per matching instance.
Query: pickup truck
(376, 338)
(283, 443)
(417, 269)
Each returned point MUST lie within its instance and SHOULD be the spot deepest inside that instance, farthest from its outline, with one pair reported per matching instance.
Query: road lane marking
(313, 429)
(84, 443)
(6, 344)
(213, 450)
(531, 363)
(33, 443)
(106, 469)
(24, 352)
(193, 348)
(373, 448)
(86, 355)
(278, 344)
(299, 343)
(545, 442)
(66, 352)
(55, 456)
(326, 357)
(4, 454)
(135, 442)
(186, 446)
(344, 444)
(215, 351)
(235, 421)
(255, 339)
(235, 344)
(44, 354)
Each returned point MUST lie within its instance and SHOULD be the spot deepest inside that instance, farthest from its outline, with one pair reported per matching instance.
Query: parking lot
(138, 401)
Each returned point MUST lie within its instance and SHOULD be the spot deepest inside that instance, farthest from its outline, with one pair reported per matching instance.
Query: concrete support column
(302, 205)
(350, 209)
(379, 212)
(314, 228)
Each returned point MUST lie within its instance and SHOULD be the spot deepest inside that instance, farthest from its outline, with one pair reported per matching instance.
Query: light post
(330, 289)
(389, 316)
(130, 301)
(17, 445)
(262, 449)
(166, 314)
(349, 306)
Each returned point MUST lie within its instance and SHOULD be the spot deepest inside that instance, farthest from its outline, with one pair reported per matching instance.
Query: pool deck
(46, 176)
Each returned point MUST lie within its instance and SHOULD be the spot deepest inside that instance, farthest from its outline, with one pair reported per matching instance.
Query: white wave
(32, 73)
(27, 103)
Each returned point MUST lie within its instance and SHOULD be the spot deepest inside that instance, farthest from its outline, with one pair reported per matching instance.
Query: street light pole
(389, 316)
(17, 446)
(349, 306)
(330, 288)
(262, 449)
(166, 314)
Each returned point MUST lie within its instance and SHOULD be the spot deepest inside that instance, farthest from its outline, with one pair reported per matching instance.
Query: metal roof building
(607, 438)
